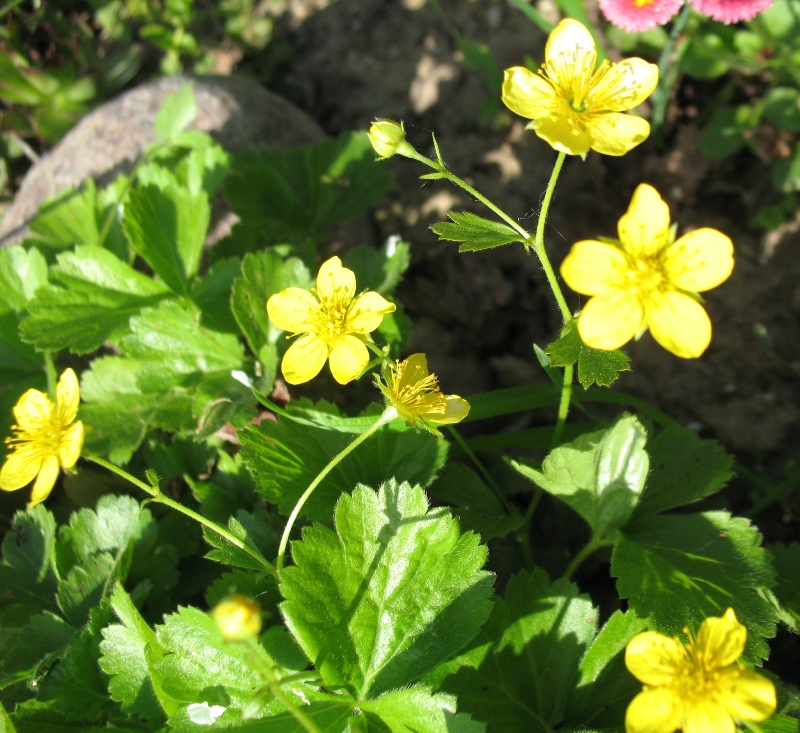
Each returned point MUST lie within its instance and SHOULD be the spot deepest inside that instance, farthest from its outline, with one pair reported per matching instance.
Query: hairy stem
(563, 406)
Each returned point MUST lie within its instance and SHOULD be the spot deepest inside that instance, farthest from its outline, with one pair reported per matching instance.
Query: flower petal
(615, 133)
(529, 94)
(623, 86)
(335, 282)
(20, 468)
(592, 268)
(366, 312)
(294, 310)
(720, 640)
(644, 228)
(610, 321)
(71, 444)
(45, 481)
(33, 410)
(68, 397)
(700, 260)
(654, 711)
(708, 716)
(654, 659)
(349, 357)
(570, 55)
(745, 694)
(415, 369)
(304, 359)
(564, 134)
(457, 410)
(679, 323)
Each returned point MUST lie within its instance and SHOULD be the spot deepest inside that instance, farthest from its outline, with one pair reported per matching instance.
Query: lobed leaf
(474, 232)
(595, 366)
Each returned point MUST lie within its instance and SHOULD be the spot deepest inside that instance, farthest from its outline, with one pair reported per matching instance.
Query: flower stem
(563, 407)
(388, 415)
(50, 372)
(162, 498)
(594, 544)
(661, 95)
(481, 468)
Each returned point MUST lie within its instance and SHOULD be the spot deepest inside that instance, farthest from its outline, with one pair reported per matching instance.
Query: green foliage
(786, 559)
(474, 232)
(594, 366)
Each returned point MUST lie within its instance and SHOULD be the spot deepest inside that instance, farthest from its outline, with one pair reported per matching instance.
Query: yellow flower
(46, 438)
(416, 396)
(575, 107)
(697, 687)
(334, 320)
(238, 618)
(648, 281)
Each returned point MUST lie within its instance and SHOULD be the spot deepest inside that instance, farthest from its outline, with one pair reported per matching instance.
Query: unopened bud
(388, 138)
(238, 618)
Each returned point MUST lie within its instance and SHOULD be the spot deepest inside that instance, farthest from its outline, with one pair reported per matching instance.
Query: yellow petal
(68, 397)
(745, 694)
(530, 95)
(564, 134)
(20, 468)
(644, 228)
(349, 357)
(457, 410)
(294, 310)
(615, 133)
(654, 711)
(623, 86)
(654, 659)
(708, 716)
(700, 260)
(71, 444)
(610, 321)
(592, 268)
(366, 312)
(33, 410)
(335, 282)
(570, 55)
(720, 640)
(680, 324)
(45, 480)
(415, 369)
(304, 359)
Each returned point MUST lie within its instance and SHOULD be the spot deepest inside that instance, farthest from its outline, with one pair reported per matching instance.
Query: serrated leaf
(29, 547)
(72, 217)
(228, 553)
(393, 592)
(786, 559)
(379, 270)
(168, 229)
(212, 295)
(22, 272)
(177, 112)
(475, 232)
(683, 468)
(600, 475)
(677, 570)
(99, 295)
(595, 366)
(84, 587)
(526, 659)
(284, 458)
(416, 709)
(39, 640)
(780, 724)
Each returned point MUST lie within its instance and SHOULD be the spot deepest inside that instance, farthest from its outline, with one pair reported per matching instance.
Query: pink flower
(731, 11)
(642, 15)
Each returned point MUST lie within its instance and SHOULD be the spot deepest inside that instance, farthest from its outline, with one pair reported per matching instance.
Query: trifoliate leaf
(683, 469)
(522, 666)
(676, 570)
(379, 270)
(284, 458)
(177, 112)
(786, 559)
(100, 293)
(168, 229)
(22, 272)
(416, 709)
(600, 475)
(595, 366)
(393, 592)
(475, 232)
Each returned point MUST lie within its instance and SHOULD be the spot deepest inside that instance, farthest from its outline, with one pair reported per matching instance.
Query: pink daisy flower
(642, 15)
(731, 11)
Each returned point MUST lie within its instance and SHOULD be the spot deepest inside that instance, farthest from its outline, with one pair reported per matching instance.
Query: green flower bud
(388, 138)
(238, 618)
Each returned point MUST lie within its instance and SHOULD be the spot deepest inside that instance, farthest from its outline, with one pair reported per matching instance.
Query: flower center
(332, 316)
(646, 276)
(420, 397)
(46, 438)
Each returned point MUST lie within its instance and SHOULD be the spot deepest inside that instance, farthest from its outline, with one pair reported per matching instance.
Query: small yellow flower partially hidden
(697, 687)
(335, 323)
(575, 107)
(415, 394)
(238, 618)
(388, 138)
(46, 438)
(646, 280)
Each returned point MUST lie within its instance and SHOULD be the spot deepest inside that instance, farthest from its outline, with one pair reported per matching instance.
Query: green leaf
(168, 229)
(29, 549)
(6, 726)
(781, 108)
(212, 295)
(785, 172)
(600, 475)
(22, 272)
(228, 553)
(520, 670)
(99, 296)
(780, 724)
(416, 709)
(84, 587)
(725, 133)
(73, 217)
(677, 570)
(379, 270)
(395, 591)
(781, 20)
(284, 458)
(177, 112)
(786, 559)
(595, 366)
(683, 468)
(475, 232)
(699, 60)
(35, 644)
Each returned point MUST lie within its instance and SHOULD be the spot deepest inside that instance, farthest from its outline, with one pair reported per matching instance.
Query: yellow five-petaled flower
(415, 394)
(646, 280)
(574, 106)
(46, 438)
(698, 686)
(335, 323)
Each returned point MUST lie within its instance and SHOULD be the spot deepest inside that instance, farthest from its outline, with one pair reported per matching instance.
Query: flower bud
(238, 618)
(388, 138)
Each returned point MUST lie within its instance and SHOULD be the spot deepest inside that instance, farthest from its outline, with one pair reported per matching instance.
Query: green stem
(524, 533)
(594, 544)
(481, 468)
(162, 498)
(50, 372)
(563, 407)
(388, 415)
(662, 90)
